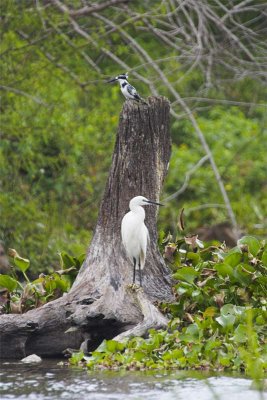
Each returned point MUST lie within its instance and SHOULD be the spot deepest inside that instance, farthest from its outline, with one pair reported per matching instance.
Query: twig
(203, 207)
(187, 179)
(22, 93)
(86, 10)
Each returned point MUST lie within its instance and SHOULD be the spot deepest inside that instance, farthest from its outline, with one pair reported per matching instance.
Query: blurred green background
(59, 119)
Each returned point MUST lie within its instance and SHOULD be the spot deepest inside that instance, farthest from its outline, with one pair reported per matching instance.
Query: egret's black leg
(134, 260)
(140, 273)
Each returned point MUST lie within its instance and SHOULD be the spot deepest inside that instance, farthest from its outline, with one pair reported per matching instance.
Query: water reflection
(51, 381)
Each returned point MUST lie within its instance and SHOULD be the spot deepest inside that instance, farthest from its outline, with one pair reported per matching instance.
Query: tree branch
(22, 93)
(187, 179)
(86, 10)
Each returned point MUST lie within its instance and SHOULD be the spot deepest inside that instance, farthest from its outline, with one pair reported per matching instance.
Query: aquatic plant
(17, 297)
(218, 320)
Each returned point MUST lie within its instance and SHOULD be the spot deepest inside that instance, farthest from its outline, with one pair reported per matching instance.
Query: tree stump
(100, 304)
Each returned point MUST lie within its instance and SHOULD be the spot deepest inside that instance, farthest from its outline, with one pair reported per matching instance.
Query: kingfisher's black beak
(112, 80)
(153, 202)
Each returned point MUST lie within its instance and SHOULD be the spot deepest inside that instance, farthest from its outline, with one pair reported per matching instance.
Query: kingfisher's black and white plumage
(128, 91)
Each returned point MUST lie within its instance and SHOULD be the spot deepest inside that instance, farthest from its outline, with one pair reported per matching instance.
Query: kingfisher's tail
(139, 98)
(143, 101)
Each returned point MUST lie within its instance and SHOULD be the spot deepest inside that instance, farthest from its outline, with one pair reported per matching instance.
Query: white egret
(134, 233)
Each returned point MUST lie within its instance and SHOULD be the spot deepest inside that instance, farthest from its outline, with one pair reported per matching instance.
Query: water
(49, 381)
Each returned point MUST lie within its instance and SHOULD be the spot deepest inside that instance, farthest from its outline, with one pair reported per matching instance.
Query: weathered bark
(100, 304)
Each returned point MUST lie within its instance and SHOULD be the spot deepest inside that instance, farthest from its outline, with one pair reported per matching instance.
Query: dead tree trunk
(100, 304)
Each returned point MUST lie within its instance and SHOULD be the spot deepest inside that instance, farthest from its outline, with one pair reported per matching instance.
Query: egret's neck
(138, 210)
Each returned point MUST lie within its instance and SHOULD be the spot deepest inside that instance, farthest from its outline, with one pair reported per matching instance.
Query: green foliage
(22, 263)
(19, 298)
(59, 120)
(55, 152)
(217, 322)
(8, 282)
(76, 357)
(252, 243)
(237, 142)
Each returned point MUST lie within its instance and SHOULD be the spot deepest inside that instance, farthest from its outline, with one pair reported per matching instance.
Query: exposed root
(152, 318)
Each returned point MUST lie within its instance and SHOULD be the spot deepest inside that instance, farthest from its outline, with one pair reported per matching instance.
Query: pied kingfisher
(128, 91)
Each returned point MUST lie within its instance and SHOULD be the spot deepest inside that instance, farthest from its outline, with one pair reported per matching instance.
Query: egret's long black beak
(153, 202)
(112, 80)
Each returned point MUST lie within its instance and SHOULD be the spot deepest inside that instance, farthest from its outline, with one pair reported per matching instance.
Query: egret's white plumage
(134, 232)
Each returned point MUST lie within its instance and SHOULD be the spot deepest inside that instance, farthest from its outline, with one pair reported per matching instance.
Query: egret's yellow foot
(133, 286)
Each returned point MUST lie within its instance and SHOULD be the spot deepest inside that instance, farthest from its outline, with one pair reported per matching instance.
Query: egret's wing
(130, 233)
(142, 259)
(133, 92)
(124, 231)
(144, 240)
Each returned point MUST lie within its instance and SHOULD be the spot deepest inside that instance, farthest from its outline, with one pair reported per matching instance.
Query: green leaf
(228, 309)
(102, 347)
(193, 257)
(252, 243)
(61, 283)
(110, 346)
(225, 361)
(241, 334)
(234, 257)
(181, 290)
(80, 259)
(7, 282)
(172, 354)
(67, 261)
(209, 312)
(192, 333)
(76, 357)
(212, 344)
(243, 273)
(49, 284)
(224, 269)
(262, 280)
(138, 355)
(22, 263)
(187, 274)
(261, 320)
(113, 345)
(226, 321)
(264, 257)
(176, 308)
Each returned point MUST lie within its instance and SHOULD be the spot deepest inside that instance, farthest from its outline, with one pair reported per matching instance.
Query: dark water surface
(48, 380)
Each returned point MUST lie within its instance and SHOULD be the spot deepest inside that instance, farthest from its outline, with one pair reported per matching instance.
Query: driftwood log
(101, 304)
